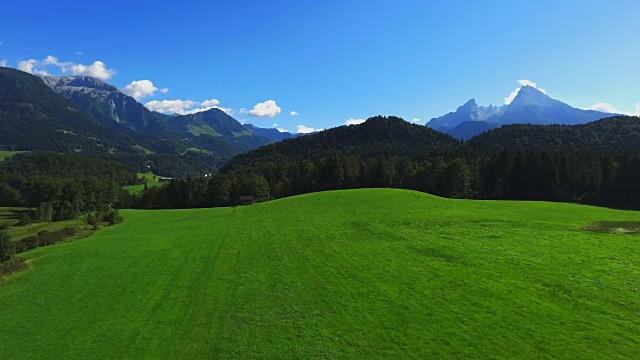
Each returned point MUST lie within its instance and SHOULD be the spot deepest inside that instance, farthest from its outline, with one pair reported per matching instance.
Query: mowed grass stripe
(347, 274)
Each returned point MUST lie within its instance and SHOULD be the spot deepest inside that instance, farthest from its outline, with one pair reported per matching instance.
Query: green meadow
(7, 154)
(152, 181)
(360, 274)
(9, 216)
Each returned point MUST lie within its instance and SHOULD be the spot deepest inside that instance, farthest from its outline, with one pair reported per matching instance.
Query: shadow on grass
(614, 227)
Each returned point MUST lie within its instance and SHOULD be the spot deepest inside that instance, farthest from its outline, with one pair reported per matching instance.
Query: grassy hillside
(9, 216)
(152, 181)
(7, 154)
(347, 274)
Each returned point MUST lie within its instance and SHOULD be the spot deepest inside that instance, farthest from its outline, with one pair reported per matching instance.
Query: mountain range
(88, 116)
(530, 106)
(84, 114)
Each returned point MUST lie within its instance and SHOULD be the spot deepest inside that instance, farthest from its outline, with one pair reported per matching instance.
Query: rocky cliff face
(106, 103)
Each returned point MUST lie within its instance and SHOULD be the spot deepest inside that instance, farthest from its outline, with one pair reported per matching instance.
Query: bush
(12, 266)
(24, 219)
(110, 216)
(4, 226)
(7, 247)
(93, 221)
(44, 238)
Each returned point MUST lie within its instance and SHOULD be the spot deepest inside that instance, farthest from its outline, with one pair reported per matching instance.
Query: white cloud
(515, 92)
(354, 121)
(185, 107)
(301, 129)
(293, 113)
(416, 120)
(210, 103)
(280, 129)
(164, 90)
(265, 109)
(98, 69)
(27, 65)
(608, 108)
(604, 107)
(51, 60)
(228, 111)
(244, 111)
(140, 89)
(78, 53)
(30, 67)
(3, 63)
(170, 106)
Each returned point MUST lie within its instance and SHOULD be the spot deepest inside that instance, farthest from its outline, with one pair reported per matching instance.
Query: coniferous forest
(596, 163)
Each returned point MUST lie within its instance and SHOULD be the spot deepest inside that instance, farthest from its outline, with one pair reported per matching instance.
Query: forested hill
(620, 132)
(378, 136)
(33, 117)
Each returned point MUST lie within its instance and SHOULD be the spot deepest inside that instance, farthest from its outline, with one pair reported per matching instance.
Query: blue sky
(331, 61)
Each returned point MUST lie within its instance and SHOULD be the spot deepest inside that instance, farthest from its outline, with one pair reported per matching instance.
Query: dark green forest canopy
(63, 186)
(388, 136)
(615, 133)
(64, 166)
(598, 163)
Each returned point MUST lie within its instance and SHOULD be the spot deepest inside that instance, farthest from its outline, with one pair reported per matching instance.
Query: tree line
(600, 178)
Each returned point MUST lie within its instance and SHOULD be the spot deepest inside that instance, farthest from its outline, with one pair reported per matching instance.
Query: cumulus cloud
(185, 107)
(293, 113)
(98, 69)
(78, 53)
(265, 109)
(301, 129)
(416, 120)
(210, 103)
(280, 129)
(3, 63)
(515, 92)
(354, 121)
(30, 67)
(140, 89)
(608, 108)
(170, 106)
(228, 111)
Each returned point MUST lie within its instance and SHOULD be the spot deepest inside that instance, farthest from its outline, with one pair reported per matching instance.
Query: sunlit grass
(349, 274)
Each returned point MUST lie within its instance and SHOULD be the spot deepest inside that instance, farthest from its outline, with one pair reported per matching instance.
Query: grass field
(150, 183)
(349, 274)
(10, 216)
(6, 154)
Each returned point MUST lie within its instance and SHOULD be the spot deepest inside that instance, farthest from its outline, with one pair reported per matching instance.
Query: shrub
(24, 219)
(7, 247)
(12, 266)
